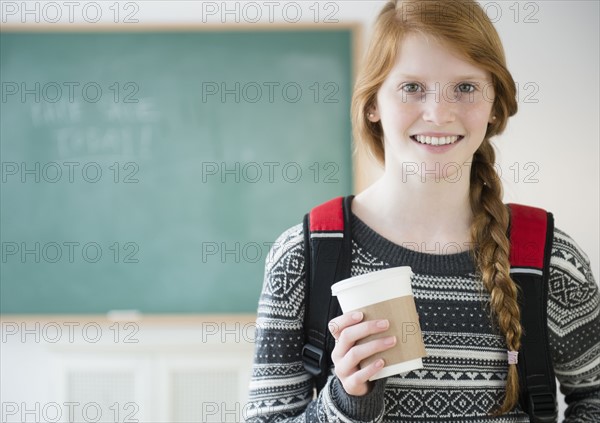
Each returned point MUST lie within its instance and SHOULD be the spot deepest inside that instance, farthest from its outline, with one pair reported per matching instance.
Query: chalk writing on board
(110, 129)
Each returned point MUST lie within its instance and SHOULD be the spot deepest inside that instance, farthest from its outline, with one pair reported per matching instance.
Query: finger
(348, 364)
(360, 352)
(350, 335)
(361, 377)
(337, 325)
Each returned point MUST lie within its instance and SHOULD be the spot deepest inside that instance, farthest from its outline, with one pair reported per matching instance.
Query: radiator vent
(205, 396)
(102, 396)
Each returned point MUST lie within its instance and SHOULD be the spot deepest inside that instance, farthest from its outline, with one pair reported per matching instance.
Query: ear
(492, 119)
(373, 114)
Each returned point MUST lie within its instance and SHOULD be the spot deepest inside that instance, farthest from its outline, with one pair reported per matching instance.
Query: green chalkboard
(151, 170)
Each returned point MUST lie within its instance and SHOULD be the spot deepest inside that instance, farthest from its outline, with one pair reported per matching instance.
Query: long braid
(488, 233)
(471, 33)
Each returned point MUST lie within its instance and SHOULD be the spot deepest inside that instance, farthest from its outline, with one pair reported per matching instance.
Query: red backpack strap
(531, 232)
(528, 227)
(327, 252)
(327, 219)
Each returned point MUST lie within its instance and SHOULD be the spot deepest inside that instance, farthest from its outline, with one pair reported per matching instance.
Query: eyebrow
(407, 76)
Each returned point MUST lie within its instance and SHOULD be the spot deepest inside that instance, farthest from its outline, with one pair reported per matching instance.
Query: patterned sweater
(465, 369)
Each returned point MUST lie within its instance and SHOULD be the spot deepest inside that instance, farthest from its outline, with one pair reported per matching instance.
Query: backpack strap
(531, 233)
(327, 252)
(327, 259)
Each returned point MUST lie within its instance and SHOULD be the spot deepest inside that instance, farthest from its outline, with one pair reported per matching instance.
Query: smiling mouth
(436, 140)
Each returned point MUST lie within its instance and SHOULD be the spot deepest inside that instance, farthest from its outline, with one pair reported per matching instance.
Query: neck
(420, 207)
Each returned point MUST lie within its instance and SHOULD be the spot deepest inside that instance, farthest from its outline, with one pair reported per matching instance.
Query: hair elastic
(512, 357)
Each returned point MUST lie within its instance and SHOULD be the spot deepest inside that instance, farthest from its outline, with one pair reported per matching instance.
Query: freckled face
(434, 107)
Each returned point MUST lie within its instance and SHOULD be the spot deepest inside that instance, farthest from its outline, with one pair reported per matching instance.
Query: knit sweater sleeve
(574, 329)
(281, 390)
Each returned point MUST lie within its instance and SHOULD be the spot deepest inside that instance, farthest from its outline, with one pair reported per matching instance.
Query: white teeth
(435, 140)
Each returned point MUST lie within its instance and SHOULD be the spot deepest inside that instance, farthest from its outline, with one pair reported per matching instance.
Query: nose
(438, 109)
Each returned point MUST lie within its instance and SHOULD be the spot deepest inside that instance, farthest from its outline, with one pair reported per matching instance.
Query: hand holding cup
(379, 333)
(348, 329)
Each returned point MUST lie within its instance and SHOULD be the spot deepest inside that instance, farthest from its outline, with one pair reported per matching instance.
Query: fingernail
(333, 328)
(379, 363)
(390, 340)
(357, 315)
(382, 324)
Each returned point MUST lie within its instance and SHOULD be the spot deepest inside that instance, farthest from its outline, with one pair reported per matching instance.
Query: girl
(433, 92)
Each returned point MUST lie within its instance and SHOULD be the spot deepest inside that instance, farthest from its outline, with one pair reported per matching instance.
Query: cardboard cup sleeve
(387, 294)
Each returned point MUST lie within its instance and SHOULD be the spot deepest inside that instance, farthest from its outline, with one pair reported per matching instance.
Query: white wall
(91, 369)
(555, 134)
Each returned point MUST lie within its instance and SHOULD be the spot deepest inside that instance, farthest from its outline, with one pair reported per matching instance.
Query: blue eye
(412, 87)
(469, 88)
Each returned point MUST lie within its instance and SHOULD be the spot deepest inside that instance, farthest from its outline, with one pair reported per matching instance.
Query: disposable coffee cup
(386, 294)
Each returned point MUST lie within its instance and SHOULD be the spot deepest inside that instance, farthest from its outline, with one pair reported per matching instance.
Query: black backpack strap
(327, 251)
(531, 233)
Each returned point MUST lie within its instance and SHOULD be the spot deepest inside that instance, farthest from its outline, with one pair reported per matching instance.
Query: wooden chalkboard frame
(359, 157)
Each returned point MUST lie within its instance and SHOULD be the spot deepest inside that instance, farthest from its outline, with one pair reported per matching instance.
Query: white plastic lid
(373, 287)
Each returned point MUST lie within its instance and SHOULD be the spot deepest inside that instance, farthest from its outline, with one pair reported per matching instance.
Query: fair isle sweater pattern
(465, 370)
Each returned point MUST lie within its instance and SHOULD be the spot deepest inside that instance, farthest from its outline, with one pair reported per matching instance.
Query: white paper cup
(386, 294)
